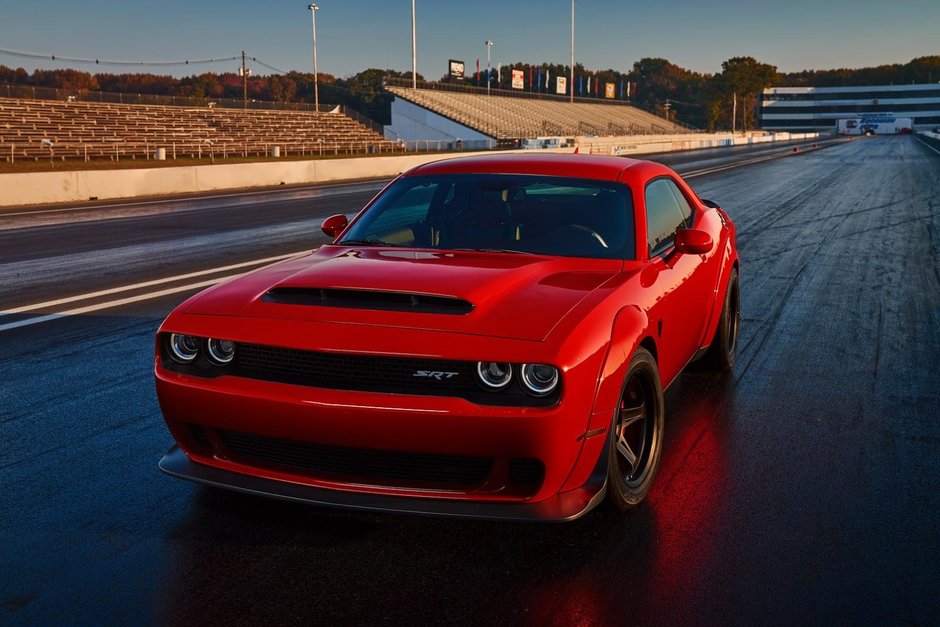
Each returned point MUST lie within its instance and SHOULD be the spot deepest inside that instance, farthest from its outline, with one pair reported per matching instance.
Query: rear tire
(636, 435)
(723, 351)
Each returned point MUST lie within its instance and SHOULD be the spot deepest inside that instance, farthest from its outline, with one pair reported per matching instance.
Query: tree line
(700, 99)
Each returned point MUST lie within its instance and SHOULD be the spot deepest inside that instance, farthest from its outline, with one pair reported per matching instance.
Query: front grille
(355, 372)
(367, 373)
(363, 465)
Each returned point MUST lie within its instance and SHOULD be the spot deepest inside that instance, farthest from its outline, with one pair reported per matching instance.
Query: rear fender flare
(728, 263)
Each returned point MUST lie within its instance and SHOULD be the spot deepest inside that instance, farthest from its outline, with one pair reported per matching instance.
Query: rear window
(521, 213)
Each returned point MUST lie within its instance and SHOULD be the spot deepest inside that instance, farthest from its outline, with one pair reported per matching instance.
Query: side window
(684, 207)
(666, 211)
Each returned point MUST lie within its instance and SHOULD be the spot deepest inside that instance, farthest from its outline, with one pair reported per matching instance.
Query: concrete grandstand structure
(820, 108)
(483, 120)
(43, 129)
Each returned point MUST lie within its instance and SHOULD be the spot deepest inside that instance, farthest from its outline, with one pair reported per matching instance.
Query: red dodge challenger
(490, 337)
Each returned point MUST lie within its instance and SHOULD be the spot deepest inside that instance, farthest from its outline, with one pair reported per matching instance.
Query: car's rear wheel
(637, 434)
(723, 351)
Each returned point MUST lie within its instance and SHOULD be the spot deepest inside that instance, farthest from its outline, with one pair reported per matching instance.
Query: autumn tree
(746, 78)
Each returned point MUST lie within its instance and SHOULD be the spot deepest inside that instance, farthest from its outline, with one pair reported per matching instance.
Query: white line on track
(113, 303)
(136, 286)
(739, 164)
(117, 204)
(927, 145)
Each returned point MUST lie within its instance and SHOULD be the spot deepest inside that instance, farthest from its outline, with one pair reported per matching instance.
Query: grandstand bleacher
(91, 130)
(509, 118)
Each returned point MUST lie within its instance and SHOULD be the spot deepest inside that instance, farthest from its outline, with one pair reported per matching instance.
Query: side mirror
(711, 204)
(334, 225)
(693, 242)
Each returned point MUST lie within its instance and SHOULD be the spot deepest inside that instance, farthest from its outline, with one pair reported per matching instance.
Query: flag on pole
(531, 78)
(539, 81)
(478, 70)
(581, 85)
(499, 73)
(621, 88)
(589, 85)
(628, 89)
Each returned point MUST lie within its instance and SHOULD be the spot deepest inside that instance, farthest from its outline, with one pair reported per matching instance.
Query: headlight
(221, 351)
(539, 379)
(494, 375)
(184, 348)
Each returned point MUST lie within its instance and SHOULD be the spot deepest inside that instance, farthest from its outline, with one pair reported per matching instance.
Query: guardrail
(31, 92)
(63, 152)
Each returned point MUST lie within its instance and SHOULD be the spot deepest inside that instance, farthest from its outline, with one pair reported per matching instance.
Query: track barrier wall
(82, 185)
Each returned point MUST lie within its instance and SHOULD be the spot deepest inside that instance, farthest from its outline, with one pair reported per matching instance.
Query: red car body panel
(584, 316)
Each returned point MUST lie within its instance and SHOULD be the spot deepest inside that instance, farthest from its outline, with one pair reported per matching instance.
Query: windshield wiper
(366, 242)
(495, 250)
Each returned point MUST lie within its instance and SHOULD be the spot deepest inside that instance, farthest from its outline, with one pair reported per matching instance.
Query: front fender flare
(630, 328)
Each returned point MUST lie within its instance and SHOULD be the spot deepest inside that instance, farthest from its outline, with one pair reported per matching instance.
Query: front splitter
(562, 507)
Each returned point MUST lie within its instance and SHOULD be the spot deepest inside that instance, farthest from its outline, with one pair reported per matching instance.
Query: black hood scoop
(367, 299)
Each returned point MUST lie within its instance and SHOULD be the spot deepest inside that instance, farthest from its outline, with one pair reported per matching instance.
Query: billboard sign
(518, 79)
(610, 90)
(455, 68)
(561, 85)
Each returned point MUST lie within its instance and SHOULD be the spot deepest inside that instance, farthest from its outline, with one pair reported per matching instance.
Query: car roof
(568, 164)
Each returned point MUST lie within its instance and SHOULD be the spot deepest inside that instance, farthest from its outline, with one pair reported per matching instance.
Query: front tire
(636, 436)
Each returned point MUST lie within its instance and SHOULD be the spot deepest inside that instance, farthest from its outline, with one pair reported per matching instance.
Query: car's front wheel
(637, 436)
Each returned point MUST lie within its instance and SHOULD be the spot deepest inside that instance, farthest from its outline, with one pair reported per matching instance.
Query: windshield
(512, 213)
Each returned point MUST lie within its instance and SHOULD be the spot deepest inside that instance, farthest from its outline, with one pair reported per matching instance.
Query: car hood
(492, 294)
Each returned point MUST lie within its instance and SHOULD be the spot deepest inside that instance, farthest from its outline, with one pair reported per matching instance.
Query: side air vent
(368, 299)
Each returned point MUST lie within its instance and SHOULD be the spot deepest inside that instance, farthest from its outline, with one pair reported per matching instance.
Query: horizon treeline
(700, 99)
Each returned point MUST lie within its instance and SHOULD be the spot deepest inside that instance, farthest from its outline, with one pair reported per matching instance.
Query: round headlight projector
(221, 351)
(184, 348)
(539, 379)
(494, 374)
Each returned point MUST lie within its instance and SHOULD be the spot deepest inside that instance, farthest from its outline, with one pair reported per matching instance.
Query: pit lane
(802, 488)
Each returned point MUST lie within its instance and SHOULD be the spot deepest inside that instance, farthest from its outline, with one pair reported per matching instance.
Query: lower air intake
(359, 465)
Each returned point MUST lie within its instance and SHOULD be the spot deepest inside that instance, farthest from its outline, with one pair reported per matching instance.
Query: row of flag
(588, 84)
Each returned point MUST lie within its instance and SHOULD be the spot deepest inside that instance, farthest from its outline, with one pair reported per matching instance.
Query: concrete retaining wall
(632, 144)
(76, 186)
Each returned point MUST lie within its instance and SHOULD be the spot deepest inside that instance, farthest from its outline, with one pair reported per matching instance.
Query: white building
(820, 108)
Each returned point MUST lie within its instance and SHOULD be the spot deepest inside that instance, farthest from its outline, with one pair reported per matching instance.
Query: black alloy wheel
(637, 436)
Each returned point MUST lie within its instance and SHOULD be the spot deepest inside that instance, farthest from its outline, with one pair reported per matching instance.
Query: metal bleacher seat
(511, 117)
(108, 130)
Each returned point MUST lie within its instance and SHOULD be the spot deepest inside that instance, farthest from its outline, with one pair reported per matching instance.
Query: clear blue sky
(356, 34)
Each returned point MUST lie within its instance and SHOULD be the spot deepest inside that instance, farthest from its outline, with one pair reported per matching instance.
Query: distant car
(906, 131)
(490, 337)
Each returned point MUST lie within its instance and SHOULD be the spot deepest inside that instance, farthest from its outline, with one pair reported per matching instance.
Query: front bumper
(565, 506)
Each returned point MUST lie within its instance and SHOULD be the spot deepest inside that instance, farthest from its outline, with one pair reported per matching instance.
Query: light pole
(489, 45)
(414, 50)
(316, 86)
(571, 70)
